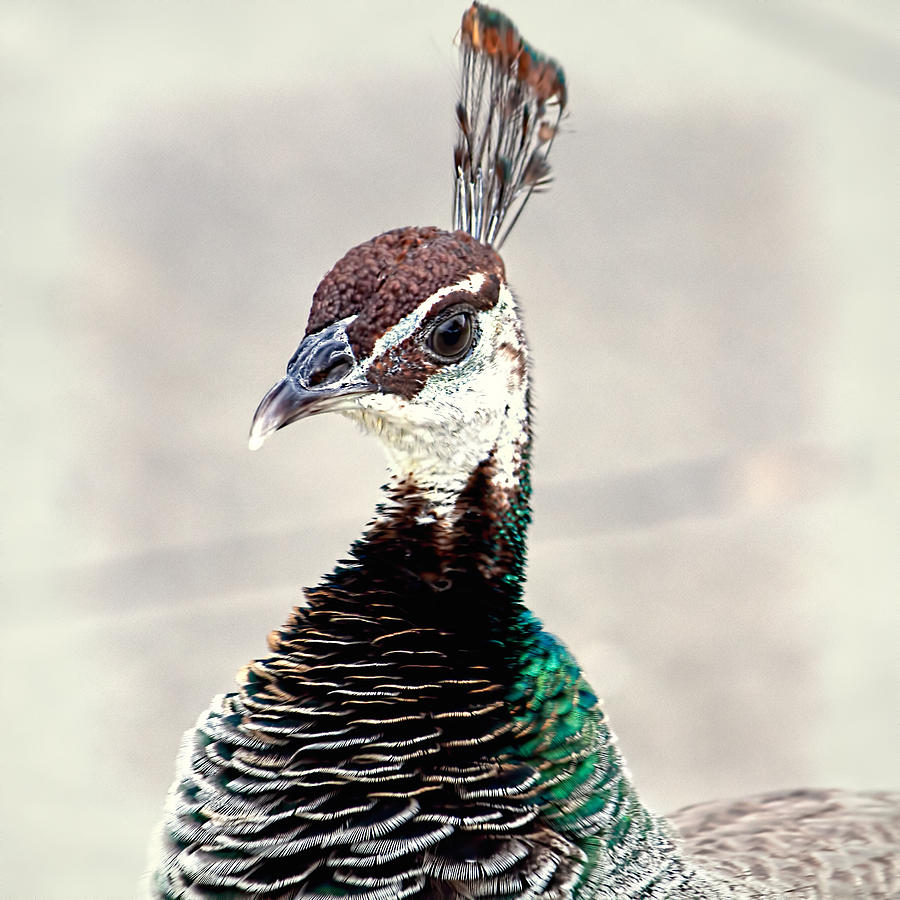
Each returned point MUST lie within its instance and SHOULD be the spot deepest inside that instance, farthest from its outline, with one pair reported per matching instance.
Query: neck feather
(431, 578)
(456, 560)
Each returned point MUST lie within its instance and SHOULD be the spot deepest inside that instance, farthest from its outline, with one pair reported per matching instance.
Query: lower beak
(287, 401)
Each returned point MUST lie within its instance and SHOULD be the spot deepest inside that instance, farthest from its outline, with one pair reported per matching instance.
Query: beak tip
(255, 441)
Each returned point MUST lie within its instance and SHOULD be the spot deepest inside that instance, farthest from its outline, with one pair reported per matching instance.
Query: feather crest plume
(512, 98)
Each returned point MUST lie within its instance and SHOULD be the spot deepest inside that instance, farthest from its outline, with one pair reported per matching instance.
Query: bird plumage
(415, 732)
(799, 843)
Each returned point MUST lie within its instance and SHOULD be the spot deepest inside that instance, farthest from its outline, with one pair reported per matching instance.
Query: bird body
(415, 731)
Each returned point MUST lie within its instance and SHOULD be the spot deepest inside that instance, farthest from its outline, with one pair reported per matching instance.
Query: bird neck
(452, 586)
(447, 543)
(456, 562)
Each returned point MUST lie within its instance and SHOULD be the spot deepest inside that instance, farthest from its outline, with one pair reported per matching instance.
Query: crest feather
(512, 98)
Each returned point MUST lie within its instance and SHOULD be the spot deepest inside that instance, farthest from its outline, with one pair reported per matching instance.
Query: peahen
(416, 732)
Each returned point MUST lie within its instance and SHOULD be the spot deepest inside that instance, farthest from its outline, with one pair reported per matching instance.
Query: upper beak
(322, 375)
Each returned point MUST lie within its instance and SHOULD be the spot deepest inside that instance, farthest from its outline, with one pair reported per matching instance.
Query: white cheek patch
(463, 413)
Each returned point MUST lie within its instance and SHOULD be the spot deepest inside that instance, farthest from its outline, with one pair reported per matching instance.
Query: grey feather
(801, 843)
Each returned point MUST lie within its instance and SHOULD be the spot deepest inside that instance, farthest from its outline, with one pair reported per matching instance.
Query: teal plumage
(415, 732)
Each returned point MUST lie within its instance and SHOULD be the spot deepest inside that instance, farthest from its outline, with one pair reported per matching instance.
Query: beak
(321, 376)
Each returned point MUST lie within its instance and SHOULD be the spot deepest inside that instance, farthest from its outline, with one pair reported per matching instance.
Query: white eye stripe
(409, 323)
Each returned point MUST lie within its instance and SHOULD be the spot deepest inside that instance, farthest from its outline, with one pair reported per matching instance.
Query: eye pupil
(453, 337)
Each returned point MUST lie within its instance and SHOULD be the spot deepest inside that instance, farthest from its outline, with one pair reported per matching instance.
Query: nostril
(326, 371)
(322, 359)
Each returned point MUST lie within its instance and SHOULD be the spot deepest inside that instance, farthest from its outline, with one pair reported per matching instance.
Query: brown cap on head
(386, 278)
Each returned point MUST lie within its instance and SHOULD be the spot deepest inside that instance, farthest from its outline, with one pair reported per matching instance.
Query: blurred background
(711, 293)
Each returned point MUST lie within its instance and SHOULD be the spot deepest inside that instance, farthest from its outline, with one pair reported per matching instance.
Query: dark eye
(452, 338)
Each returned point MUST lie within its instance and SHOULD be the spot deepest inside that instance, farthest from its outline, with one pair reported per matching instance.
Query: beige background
(711, 293)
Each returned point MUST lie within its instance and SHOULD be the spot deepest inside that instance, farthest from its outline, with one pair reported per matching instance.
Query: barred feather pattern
(417, 733)
(389, 749)
(511, 102)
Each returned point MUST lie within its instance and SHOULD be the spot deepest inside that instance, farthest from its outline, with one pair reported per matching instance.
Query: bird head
(415, 335)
